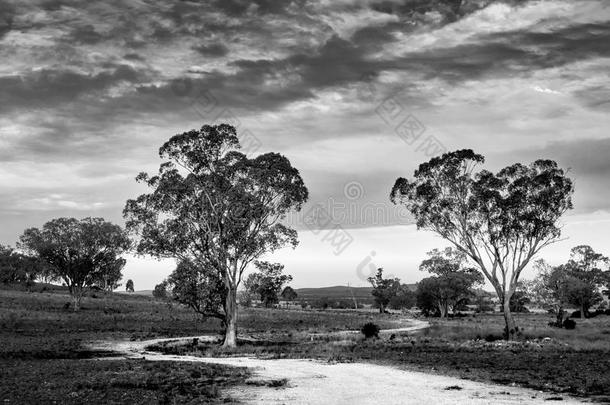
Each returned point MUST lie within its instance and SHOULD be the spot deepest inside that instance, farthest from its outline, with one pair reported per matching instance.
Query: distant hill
(340, 292)
(140, 292)
(362, 294)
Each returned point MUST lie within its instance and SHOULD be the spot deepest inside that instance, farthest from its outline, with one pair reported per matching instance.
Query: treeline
(80, 254)
(581, 284)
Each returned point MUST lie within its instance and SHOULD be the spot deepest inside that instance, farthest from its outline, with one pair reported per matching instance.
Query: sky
(354, 92)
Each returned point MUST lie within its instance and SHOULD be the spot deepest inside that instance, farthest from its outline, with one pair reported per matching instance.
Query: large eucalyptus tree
(215, 208)
(499, 220)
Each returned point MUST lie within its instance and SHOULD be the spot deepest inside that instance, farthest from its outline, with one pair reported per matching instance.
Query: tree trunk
(442, 309)
(76, 303)
(77, 295)
(231, 319)
(559, 321)
(583, 314)
(510, 330)
(381, 309)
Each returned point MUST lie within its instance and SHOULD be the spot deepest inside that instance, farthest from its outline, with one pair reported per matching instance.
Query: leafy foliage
(577, 282)
(129, 287)
(17, 268)
(450, 287)
(215, 208)
(404, 299)
(370, 330)
(384, 289)
(81, 253)
(267, 282)
(202, 291)
(498, 220)
(289, 294)
(160, 290)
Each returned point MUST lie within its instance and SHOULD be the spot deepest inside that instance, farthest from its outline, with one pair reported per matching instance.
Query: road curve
(317, 382)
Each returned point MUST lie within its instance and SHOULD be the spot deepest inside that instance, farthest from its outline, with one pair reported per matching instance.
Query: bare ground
(296, 381)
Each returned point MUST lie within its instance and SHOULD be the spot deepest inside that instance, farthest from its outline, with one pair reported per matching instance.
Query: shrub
(370, 330)
(569, 324)
(493, 338)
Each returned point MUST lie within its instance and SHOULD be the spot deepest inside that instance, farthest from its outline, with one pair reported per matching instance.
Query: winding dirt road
(316, 382)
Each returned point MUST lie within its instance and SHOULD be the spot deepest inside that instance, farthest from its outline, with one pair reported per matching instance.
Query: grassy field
(554, 360)
(42, 340)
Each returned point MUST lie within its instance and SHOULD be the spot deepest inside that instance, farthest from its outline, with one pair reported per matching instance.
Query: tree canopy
(499, 220)
(267, 282)
(212, 206)
(79, 252)
(384, 289)
(451, 285)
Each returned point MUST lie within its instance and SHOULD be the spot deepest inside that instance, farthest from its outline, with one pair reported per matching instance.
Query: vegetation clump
(370, 330)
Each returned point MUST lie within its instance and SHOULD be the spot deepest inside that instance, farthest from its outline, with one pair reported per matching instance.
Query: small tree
(586, 275)
(267, 282)
(549, 288)
(160, 290)
(289, 294)
(109, 276)
(519, 300)
(79, 252)
(500, 221)
(203, 291)
(404, 299)
(214, 207)
(384, 289)
(129, 286)
(452, 284)
(18, 268)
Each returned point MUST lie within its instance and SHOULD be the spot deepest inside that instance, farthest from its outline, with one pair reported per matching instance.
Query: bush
(575, 314)
(569, 324)
(370, 330)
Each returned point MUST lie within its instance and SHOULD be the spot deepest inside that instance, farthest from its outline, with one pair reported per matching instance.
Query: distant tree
(384, 289)
(267, 282)
(405, 298)
(108, 278)
(586, 271)
(519, 299)
(18, 268)
(452, 284)
(549, 288)
(244, 298)
(500, 221)
(79, 252)
(129, 286)
(160, 290)
(202, 291)
(289, 294)
(214, 207)
(483, 300)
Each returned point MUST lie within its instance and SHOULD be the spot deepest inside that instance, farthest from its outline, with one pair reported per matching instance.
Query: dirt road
(315, 382)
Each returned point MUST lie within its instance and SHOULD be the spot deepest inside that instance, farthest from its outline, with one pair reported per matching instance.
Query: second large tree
(500, 221)
(216, 208)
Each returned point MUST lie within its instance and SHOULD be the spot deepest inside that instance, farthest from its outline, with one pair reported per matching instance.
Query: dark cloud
(7, 17)
(212, 50)
(85, 34)
(505, 54)
(134, 57)
(240, 7)
(586, 161)
(597, 98)
(48, 87)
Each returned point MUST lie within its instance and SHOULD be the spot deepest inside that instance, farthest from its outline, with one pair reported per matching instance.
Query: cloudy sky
(354, 92)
